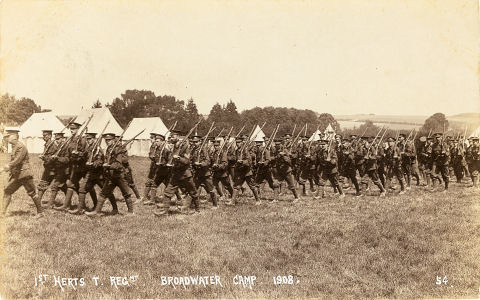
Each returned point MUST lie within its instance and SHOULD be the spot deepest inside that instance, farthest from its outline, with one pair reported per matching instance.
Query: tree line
(143, 103)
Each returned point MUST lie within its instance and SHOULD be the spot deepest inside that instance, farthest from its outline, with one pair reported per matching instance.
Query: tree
(97, 104)
(16, 111)
(435, 123)
(325, 118)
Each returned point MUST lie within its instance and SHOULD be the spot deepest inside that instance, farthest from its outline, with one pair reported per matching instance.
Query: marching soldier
(283, 164)
(74, 158)
(182, 177)
(93, 176)
(203, 175)
(20, 173)
(245, 159)
(48, 169)
(349, 165)
(394, 163)
(115, 159)
(371, 165)
(473, 160)
(263, 170)
(149, 183)
(59, 162)
(220, 170)
(441, 158)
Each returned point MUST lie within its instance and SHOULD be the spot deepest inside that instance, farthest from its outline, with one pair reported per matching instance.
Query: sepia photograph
(276, 149)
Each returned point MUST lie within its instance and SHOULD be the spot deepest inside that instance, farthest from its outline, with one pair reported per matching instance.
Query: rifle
(109, 154)
(295, 140)
(218, 135)
(247, 143)
(46, 149)
(381, 139)
(371, 145)
(83, 131)
(158, 162)
(182, 142)
(96, 145)
(223, 146)
(197, 160)
(310, 142)
(294, 127)
(64, 144)
(429, 133)
(270, 142)
(395, 145)
(133, 138)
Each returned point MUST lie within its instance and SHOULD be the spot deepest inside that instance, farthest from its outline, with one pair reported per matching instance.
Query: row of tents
(31, 130)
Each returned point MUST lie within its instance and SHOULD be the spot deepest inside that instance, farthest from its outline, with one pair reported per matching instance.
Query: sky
(392, 57)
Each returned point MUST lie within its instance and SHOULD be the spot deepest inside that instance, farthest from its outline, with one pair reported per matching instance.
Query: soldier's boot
(152, 197)
(446, 184)
(94, 197)
(81, 205)
(295, 195)
(67, 202)
(51, 199)
(304, 190)
(98, 209)
(40, 194)
(135, 191)
(275, 195)
(7, 198)
(255, 194)
(146, 195)
(213, 198)
(190, 205)
(38, 204)
(113, 203)
(129, 203)
(340, 191)
(380, 186)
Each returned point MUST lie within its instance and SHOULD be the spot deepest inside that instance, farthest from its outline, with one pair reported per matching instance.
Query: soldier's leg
(444, 171)
(30, 188)
(125, 189)
(210, 189)
(333, 178)
(12, 186)
(42, 188)
(107, 189)
(57, 184)
(399, 175)
(71, 186)
(374, 177)
(291, 185)
(218, 188)
(168, 193)
(190, 189)
(237, 185)
(227, 183)
(253, 187)
(84, 188)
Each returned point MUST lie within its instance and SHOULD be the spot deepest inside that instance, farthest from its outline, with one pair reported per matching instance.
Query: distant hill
(417, 120)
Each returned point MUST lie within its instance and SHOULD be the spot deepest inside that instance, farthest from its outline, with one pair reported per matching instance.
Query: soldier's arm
(19, 157)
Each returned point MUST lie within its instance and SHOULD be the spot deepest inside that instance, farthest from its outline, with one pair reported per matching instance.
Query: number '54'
(441, 280)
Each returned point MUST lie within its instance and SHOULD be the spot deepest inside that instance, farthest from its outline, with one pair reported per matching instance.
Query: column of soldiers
(223, 165)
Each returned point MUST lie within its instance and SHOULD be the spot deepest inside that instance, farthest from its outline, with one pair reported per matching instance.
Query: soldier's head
(429, 140)
(391, 142)
(323, 144)
(47, 134)
(74, 126)
(287, 137)
(173, 136)
(338, 137)
(152, 137)
(475, 141)
(423, 139)
(159, 138)
(401, 137)
(109, 138)
(216, 144)
(58, 136)
(438, 136)
(346, 142)
(90, 136)
(11, 134)
(258, 144)
(239, 141)
(196, 140)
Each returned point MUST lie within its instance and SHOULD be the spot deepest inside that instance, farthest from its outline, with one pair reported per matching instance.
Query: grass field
(394, 247)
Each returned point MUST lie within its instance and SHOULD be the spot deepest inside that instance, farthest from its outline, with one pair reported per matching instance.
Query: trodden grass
(369, 247)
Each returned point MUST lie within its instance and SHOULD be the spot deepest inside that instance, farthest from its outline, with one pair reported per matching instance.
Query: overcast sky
(342, 57)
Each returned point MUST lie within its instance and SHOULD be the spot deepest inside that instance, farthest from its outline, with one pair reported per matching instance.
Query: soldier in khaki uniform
(20, 173)
(48, 170)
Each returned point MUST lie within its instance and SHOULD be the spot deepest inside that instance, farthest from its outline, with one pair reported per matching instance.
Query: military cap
(11, 130)
(448, 137)
(346, 140)
(323, 142)
(429, 138)
(402, 135)
(474, 138)
(196, 138)
(438, 134)
(390, 139)
(288, 135)
(74, 125)
(364, 138)
(90, 134)
(277, 141)
(245, 137)
(371, 138)
(47, 130)
(338, 135)
(423, 139)
(212, 139)
(175, 132)
(59, 133)
(217, 142)
(352, 136)
(259, 142)
(109, 136)
(159, 134)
